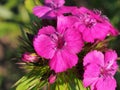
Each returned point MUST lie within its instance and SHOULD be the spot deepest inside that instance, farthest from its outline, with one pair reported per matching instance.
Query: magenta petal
(110, 61)
(47, 30)
(102, 29)
(87, 36)
(74, 42)
(44, 46)
(40, 11)
(62, 21)
(113, 31)
(84, 10)
(94, 57)
(76, 11)
(110, 56)
(62, 61)
(108, 83)
(52, 14)
(58, 3)
(65, 22)
(66, 9)
(59, 11)
(81, 27)
(96, 15)
(90, 34)
(91, 74)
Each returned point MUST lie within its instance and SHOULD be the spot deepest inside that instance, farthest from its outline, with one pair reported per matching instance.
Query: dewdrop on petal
(30, 57)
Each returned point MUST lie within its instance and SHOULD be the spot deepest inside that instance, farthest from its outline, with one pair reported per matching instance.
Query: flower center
(58, 40)
(89, 21)
(104, 72)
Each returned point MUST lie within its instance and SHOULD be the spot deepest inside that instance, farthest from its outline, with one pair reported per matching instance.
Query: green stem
(48, 86)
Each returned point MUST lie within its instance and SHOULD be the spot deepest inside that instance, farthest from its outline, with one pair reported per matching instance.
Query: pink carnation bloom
(51, 9)
(100, 70)
(93, 25)
(30, 57)
(59, 45)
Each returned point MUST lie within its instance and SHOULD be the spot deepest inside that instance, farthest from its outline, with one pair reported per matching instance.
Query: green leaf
(12, 4)
(5, 13)
(29, 4)
(79, 85)
(117, 77)
(67, 82)
(34, 79)
(24, 85)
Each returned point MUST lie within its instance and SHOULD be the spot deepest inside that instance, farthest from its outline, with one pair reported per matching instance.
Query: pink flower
(59, 45)
(51, 9)
(93, 25)
(100, 70)
(52, 79)
(30, 57)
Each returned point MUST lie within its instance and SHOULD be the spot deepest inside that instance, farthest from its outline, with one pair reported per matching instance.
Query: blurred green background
(15, 13)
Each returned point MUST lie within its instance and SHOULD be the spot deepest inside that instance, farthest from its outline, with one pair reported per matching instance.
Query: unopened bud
(52, 79)
(30, 57)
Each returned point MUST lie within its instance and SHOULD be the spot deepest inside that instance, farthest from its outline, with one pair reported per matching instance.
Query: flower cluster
(63, 43)
(100, 69)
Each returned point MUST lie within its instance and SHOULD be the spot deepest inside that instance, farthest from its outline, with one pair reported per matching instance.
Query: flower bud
(30, 57)
(52, 79)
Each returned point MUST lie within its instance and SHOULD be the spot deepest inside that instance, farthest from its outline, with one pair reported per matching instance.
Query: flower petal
(91, 74)
(41, 11)
(74, 42)
(108, 83)
(65, 22)
(113, 31)
(87, 35)
(66, 9)
(62, 61)
(94, 57)
(110, 61)
(100, 31)
(58, 3)
(44, 46)
(110, 55)
(47, 30)
(91, 34)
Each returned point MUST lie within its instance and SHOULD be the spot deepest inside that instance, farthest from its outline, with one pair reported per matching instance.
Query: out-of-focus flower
(93, 25)
(30, 57)
(100, 70)
(52, 79)
(59, 45)
(52, 9)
